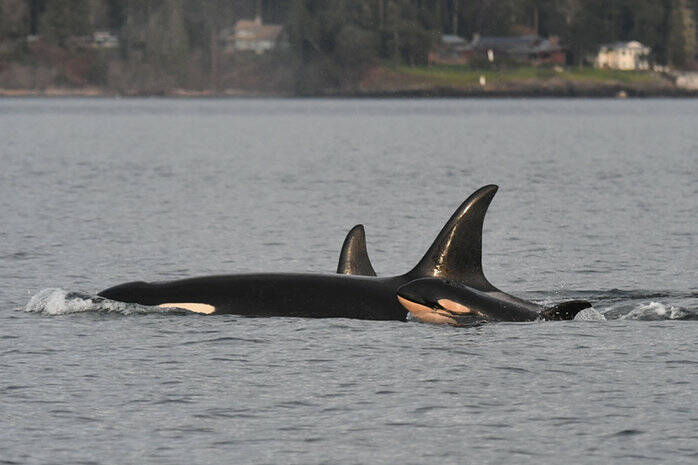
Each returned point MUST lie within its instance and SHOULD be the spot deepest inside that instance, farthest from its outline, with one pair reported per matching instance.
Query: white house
(624, 56)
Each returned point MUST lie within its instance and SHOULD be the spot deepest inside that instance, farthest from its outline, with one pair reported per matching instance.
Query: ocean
(598, 200)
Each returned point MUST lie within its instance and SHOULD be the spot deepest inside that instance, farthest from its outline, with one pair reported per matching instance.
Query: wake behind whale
(56, 301)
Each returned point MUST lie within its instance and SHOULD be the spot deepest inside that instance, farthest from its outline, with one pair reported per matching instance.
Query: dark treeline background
(176, 43)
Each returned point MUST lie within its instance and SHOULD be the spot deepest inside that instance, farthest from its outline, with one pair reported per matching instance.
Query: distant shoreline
(432, 82)
(436, 93)
(619, 93)
(394, 90)
(57, 92)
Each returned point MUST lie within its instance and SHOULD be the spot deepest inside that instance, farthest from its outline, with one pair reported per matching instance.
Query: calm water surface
(598, 200)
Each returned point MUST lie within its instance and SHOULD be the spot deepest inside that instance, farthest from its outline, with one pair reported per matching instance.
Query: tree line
(333, 42)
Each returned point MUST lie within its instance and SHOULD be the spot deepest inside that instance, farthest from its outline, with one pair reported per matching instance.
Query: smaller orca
(442, 301)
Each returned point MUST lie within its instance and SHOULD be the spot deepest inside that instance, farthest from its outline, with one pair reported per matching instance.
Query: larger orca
(354, 292)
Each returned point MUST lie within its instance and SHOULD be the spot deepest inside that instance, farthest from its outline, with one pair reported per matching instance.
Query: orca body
(440, 301)
(274, 294)
(354, 292)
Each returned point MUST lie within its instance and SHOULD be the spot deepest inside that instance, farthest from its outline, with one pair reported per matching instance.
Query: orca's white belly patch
(192, 307)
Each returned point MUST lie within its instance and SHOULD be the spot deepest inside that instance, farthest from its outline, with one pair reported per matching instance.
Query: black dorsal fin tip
(353, 259)
(457, 250)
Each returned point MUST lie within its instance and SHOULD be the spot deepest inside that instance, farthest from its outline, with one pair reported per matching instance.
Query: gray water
(598, 200)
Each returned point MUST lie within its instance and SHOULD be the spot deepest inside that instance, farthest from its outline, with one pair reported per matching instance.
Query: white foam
(655, 311)
(54, 301)
(590, 314)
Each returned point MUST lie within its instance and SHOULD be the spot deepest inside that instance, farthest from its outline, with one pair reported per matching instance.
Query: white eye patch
(426, 314)
(455, 307)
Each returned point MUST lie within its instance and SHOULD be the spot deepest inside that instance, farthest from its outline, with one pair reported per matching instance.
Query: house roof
(452, 39)
(633, 44)
(247, 29)
(514, 45)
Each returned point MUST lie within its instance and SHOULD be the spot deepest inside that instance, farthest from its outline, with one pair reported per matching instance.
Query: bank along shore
(438, 82)
(59, 92)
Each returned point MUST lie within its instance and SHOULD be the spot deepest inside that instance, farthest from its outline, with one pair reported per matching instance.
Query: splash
(656, 311)
(637, 305)
(55, 301)
(589, 314)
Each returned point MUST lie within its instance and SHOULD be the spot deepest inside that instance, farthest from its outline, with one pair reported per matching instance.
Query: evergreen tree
(156, 43)
(408, 32)
(167, 43)
(14, 19)
(588, 27)
(36, 9)
(334, 41)
(205, 21)
(65, 18)
(676, 43)
(116, 14)
(648, 18)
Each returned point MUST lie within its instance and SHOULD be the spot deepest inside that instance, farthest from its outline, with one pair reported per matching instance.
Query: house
(104, 39)
(252, 35)
(451, 51)
(624, 56)
(99, 40)
(524, 49)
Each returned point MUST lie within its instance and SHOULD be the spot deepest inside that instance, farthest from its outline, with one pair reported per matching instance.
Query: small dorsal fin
(457, 251)
(354, 258)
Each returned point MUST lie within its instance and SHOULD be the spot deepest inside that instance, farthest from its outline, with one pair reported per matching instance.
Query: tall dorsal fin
(457, 251)
(354, 258)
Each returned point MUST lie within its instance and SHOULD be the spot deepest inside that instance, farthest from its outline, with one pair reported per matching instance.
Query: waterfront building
(253, 35)
(624, 56)
(529, 49)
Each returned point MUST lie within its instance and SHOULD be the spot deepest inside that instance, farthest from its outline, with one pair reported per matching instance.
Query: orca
(442, 301)
(353, 292)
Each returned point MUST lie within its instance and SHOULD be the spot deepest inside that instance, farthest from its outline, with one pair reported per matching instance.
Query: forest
(164, 44)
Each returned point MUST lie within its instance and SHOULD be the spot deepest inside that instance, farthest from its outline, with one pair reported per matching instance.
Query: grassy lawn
(600, 75)
(465, 76)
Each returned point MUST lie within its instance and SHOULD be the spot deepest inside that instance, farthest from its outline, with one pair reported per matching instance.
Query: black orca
(442, 301)
(355, 292)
